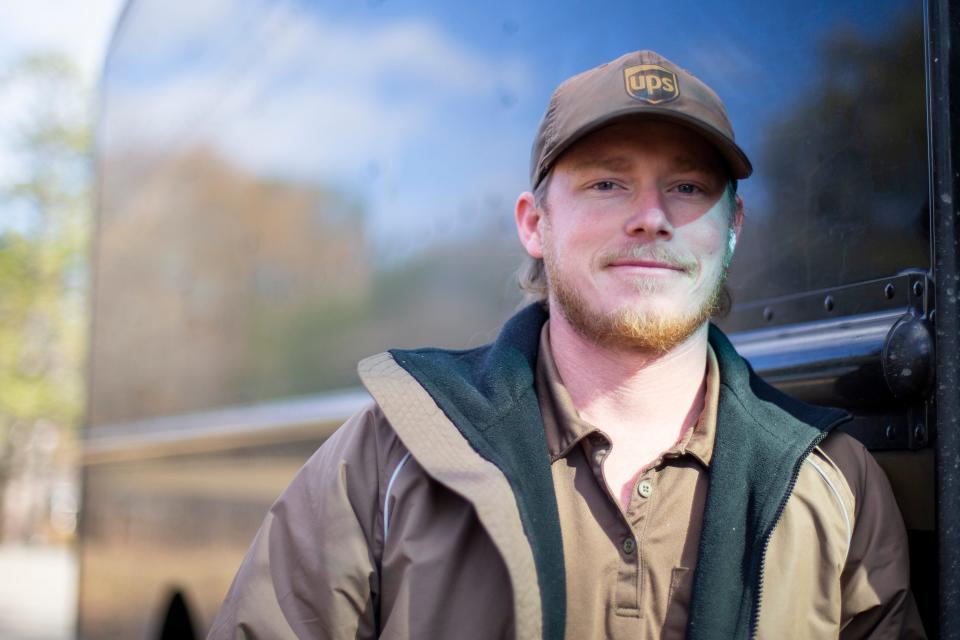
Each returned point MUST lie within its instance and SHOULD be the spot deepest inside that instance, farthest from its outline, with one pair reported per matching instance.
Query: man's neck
(643, 401)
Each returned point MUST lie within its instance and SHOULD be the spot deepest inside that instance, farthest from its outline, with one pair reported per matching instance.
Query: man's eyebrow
(690, 163)
(610, 163)
(623, 163)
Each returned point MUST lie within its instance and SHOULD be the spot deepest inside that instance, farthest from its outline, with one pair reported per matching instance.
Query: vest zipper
(755, 616)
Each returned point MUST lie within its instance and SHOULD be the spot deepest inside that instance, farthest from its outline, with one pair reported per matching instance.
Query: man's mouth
(653, 265)
(648, 261)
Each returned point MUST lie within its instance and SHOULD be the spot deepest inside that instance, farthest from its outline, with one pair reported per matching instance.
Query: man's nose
(648, 216)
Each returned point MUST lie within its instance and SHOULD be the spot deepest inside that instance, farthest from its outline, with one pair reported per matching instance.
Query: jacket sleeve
(875, 590)
(311, 571)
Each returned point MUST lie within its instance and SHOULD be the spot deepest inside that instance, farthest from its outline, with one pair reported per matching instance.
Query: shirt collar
(564, 427)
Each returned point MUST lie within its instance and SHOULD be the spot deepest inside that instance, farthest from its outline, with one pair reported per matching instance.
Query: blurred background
(210, 210)
(51, 55)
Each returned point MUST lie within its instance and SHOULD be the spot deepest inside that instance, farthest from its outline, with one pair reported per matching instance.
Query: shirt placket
(628, 591)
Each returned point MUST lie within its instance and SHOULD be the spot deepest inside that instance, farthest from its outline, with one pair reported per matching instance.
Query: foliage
(44, 221)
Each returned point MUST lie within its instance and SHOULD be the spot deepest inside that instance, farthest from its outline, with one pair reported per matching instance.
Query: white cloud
(282, 91)
(79, 28)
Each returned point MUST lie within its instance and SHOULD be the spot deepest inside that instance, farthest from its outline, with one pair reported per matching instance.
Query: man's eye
(688, 188)
(605, 185)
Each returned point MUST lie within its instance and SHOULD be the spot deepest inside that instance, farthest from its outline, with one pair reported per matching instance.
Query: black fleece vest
(762, 437)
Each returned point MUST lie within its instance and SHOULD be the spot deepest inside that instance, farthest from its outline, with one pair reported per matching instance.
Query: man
(609, 467)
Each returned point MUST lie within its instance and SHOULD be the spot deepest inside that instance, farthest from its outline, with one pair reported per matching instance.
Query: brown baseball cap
(639, 84)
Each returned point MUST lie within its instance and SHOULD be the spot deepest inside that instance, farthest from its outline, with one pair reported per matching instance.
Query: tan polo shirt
(629, 574)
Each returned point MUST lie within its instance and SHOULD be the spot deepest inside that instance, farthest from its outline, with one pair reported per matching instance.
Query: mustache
(652, 253)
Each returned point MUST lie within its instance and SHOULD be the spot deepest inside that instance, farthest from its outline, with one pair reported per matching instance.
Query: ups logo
(651, 83)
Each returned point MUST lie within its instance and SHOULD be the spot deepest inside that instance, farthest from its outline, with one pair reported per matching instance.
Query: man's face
(636, 234)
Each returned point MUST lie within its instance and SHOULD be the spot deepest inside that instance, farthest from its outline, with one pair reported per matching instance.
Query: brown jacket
(398, 528)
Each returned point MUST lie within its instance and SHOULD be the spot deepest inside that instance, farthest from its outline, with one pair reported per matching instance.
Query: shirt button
(629, 545)
(645, 489)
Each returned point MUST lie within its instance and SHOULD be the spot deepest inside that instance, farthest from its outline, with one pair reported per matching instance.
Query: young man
(609, 467)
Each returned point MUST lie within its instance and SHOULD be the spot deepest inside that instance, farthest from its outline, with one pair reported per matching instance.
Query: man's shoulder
(841, 470)
(366, 442)
(860, 471)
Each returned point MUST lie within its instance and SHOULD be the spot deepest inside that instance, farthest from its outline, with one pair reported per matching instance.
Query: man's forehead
(618, 160)
(619, 146)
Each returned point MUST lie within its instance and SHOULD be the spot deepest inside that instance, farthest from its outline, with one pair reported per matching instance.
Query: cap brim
(733, 156)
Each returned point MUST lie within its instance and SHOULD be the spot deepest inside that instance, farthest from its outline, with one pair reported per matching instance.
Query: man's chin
(641, 328)
(640, 324)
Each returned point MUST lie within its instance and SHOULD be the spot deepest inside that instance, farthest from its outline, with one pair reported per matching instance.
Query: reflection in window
(287, 187)
(844, 170)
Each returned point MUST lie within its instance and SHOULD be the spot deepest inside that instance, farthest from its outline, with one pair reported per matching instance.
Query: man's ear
(528, 218)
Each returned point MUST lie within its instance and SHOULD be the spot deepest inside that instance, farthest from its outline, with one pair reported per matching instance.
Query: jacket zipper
(755, 616)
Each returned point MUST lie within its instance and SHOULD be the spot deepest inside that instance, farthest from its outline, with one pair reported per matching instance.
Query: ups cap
(639, 84)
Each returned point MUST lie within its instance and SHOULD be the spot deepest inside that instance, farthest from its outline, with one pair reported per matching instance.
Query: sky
(80, 29)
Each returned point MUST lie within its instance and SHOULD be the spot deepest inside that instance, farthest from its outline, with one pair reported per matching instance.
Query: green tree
(44, 222)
